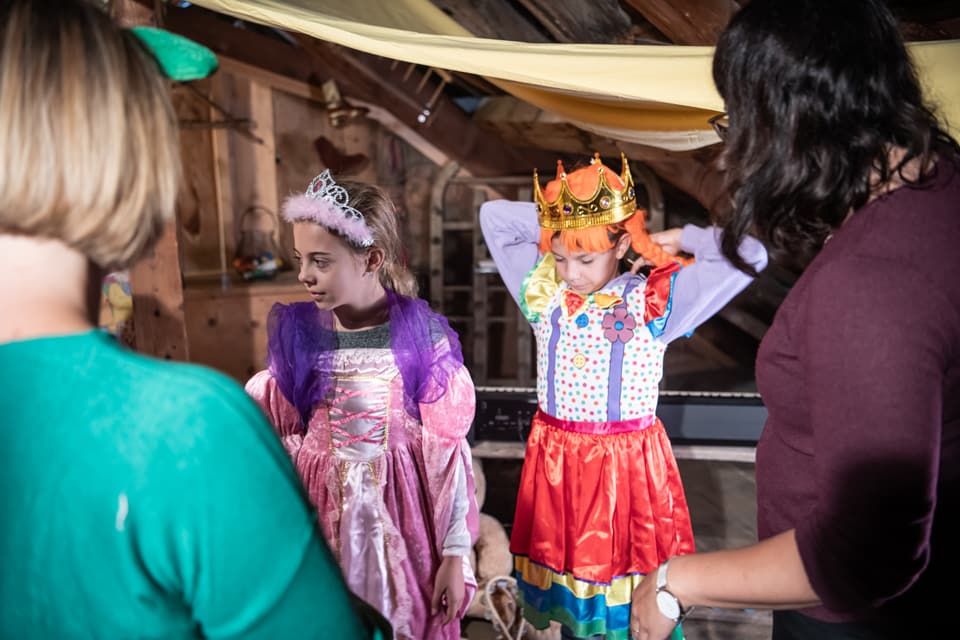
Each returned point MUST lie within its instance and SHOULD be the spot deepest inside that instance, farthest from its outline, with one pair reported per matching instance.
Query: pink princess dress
(375, 422)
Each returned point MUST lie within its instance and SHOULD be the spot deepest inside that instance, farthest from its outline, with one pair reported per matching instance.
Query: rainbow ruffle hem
(600, 506)
(587, 609)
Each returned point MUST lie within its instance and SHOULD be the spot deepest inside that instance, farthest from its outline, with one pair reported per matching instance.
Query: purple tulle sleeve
(425, 348)
(302, 340)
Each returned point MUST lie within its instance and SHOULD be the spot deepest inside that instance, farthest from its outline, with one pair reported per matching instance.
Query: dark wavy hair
(818, 92)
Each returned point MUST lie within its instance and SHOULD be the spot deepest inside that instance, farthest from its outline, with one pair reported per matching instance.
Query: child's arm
(704, 287)
(449, 587)
(263, 388)
(457, 541)
(512, 234)
(451, 490)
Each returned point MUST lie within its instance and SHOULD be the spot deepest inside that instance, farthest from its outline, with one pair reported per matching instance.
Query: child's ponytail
(641, 242)
(381, 217)
(398, 278)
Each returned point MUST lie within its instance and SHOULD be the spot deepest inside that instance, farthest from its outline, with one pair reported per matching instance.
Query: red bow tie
(573, 302)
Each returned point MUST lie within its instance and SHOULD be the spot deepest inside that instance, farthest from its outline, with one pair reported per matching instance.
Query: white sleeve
(457, 540)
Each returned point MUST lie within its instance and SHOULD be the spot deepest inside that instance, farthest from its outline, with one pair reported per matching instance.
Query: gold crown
(606, 206)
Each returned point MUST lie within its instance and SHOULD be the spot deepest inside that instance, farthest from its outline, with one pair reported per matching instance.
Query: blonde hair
(380, 215)
(89, 153)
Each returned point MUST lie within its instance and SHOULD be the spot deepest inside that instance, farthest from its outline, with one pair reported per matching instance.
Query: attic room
(449, 107)
(302, 87)
(284, 104)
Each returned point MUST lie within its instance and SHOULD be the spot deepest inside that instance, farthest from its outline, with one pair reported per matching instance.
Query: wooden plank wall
(197, 202)
(155, 282)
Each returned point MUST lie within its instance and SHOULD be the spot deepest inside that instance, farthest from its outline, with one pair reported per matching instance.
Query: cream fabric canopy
(655, 95)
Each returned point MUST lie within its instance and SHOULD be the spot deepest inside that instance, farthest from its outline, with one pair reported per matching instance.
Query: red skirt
(600, 501)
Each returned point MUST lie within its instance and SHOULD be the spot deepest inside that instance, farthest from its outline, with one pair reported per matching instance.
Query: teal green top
(142, 498)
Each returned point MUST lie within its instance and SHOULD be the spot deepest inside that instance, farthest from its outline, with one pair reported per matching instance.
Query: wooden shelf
(206, 286)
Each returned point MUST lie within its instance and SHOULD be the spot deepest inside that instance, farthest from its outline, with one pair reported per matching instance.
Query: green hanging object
(180, 59)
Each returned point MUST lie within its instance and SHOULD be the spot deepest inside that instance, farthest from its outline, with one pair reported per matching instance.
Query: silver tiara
(324, 187)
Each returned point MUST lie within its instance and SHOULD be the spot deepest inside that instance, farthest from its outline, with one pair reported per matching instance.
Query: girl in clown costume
(601, 504)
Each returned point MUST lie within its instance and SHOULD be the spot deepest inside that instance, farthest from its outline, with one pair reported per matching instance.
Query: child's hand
(448, 588)
(640, 263)
(669, 240)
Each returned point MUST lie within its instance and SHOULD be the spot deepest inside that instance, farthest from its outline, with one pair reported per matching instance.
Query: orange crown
(607, 204)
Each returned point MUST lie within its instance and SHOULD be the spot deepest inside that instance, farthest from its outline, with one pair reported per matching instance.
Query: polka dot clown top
(600, 356)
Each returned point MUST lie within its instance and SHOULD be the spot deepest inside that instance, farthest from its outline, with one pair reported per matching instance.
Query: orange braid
(642, 243)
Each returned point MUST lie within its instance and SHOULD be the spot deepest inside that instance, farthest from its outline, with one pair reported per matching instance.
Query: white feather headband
(328, 204)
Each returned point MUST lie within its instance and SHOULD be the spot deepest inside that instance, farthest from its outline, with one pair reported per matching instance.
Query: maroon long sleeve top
(860, 373)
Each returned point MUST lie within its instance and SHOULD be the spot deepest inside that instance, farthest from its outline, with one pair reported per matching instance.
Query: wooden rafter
(598, 21)
(689, 22)
(496, 19)
(692, 172)
(914, 31)
(367, 78)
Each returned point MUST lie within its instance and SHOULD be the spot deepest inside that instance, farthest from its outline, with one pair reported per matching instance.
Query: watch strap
(661, 586)
(662, 575)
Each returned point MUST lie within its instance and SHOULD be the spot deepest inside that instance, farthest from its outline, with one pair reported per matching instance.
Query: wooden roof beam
(368, 78)
(693, 172)
(497, 19)
(689, 22)
(599, 21)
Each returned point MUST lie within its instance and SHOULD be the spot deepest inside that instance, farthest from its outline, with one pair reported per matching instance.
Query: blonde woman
(119, 474)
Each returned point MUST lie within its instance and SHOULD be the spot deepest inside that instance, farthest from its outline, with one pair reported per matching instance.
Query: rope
(509, 586)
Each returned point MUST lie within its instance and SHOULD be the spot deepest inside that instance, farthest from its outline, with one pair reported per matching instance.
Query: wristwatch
(667, 603)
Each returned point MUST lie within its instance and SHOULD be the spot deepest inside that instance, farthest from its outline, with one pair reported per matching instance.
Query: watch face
(668, 605)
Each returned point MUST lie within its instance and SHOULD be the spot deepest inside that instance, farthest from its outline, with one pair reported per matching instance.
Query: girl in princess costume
(601, 504)
(367, 389)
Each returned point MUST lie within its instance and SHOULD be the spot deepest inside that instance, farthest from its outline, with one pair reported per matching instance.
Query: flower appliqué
(618, 325)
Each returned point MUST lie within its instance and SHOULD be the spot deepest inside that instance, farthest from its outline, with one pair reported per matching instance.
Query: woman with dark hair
(833, 158)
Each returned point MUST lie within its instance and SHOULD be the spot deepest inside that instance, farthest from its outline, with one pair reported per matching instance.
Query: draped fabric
(655, 95)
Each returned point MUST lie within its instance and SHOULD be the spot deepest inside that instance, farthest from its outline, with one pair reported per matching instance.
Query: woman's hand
(448, 588)
(646, 621)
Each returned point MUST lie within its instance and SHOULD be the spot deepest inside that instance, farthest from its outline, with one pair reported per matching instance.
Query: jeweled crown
(606, 205)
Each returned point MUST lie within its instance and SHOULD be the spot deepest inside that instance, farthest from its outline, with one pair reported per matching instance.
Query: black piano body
(700, 424)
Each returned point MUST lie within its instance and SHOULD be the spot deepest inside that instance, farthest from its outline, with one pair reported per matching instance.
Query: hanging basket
(258, 253)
